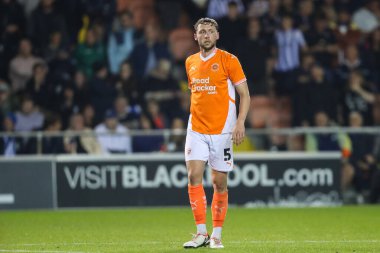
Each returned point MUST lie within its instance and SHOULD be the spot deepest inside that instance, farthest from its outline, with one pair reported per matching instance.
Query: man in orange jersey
(214, 75)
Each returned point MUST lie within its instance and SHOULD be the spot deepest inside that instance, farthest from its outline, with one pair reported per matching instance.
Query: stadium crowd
(110, 66)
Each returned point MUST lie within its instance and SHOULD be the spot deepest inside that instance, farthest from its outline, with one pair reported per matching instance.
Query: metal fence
(270, 139)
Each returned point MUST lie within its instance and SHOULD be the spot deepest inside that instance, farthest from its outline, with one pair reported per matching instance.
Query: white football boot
(216, 243)
(199, 240)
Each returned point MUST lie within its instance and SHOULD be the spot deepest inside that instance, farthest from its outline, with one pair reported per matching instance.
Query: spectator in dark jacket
(44, 21)
(12, 22)
(15, 145)
(232, 27)
(253, 53)
(102, 91)
(38, 87)
(147, 53)
(361, 158)
(52, 144)
(358, 97)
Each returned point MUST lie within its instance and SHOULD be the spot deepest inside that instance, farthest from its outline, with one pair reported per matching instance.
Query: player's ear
(217, 35)
(195, 36)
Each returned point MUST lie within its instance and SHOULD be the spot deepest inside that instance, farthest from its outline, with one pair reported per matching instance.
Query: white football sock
(217, 232)
(201, 229)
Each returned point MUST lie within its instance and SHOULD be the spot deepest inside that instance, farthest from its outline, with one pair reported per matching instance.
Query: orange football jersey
(211, 81)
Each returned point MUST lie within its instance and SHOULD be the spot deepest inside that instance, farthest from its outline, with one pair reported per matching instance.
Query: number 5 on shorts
(227, 154)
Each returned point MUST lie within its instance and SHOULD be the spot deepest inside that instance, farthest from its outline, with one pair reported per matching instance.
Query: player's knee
(195, 178)
(219, 186)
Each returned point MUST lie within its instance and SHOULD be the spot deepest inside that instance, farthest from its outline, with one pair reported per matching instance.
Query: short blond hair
(206, 21)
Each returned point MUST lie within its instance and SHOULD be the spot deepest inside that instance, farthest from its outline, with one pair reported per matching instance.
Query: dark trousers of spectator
(374, 196)
(285, 82)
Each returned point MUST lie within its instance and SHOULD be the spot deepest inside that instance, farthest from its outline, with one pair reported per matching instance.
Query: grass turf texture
(336, 230)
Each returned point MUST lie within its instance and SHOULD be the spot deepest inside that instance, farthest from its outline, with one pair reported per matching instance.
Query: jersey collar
(209, 56)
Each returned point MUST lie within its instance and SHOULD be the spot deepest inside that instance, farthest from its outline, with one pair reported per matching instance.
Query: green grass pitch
(306, 230)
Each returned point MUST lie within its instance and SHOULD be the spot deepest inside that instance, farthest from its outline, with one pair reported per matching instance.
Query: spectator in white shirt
(112, 136)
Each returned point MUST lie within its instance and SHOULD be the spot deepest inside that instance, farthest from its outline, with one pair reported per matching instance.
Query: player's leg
(197, 194)
(196, 155)
(219, 206)
(221, 162)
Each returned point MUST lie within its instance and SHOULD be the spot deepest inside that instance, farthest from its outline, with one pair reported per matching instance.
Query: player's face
(206, 35)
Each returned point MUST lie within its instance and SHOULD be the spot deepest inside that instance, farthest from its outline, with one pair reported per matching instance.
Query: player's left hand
(238, 133)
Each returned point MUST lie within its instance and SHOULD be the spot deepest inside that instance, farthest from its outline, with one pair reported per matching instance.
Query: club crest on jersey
(215, 67)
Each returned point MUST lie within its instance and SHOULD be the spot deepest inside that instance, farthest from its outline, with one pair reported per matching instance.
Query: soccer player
(213, 76)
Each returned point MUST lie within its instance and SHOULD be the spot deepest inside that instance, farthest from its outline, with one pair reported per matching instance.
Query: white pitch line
(162, 242)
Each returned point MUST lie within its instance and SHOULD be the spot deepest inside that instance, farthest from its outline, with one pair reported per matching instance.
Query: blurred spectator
(147, 141)
(79, 139)
(5, 106)
(322, 95)
(21, 67)
(327, 8)
(345, 30)
(10, 145)
(362, 158)
(332, 142)
(100, 32)
(127, 84)
(44, 21)
(147, 53)
(358, 97)
(28, 118)
(374, 53)
(38, 87)
(301, 114)
(68, 105)
(253, 53)
(160, 84)
(72, 12)
(81, 90)
(351, 61)
(314, 95)
(54, 46)
(61, 69)
(288, 7)
(257, 8)
(112, 136)
(322, 43)
(366, 18)
(88, 53)
(127, 114)
(305, 18)
(121, 42)
(88, 113)
(155, 114)
(327, 141)
(12, 22)
(271, 20)
(52, 144)
(142, 10)
(177, 139)
(219, 8)
(29, 6)
(101, 10)
(102, 91)
(289, 42)
(231, 28)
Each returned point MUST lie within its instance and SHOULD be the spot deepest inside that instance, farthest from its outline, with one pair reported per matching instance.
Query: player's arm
(238, 132)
